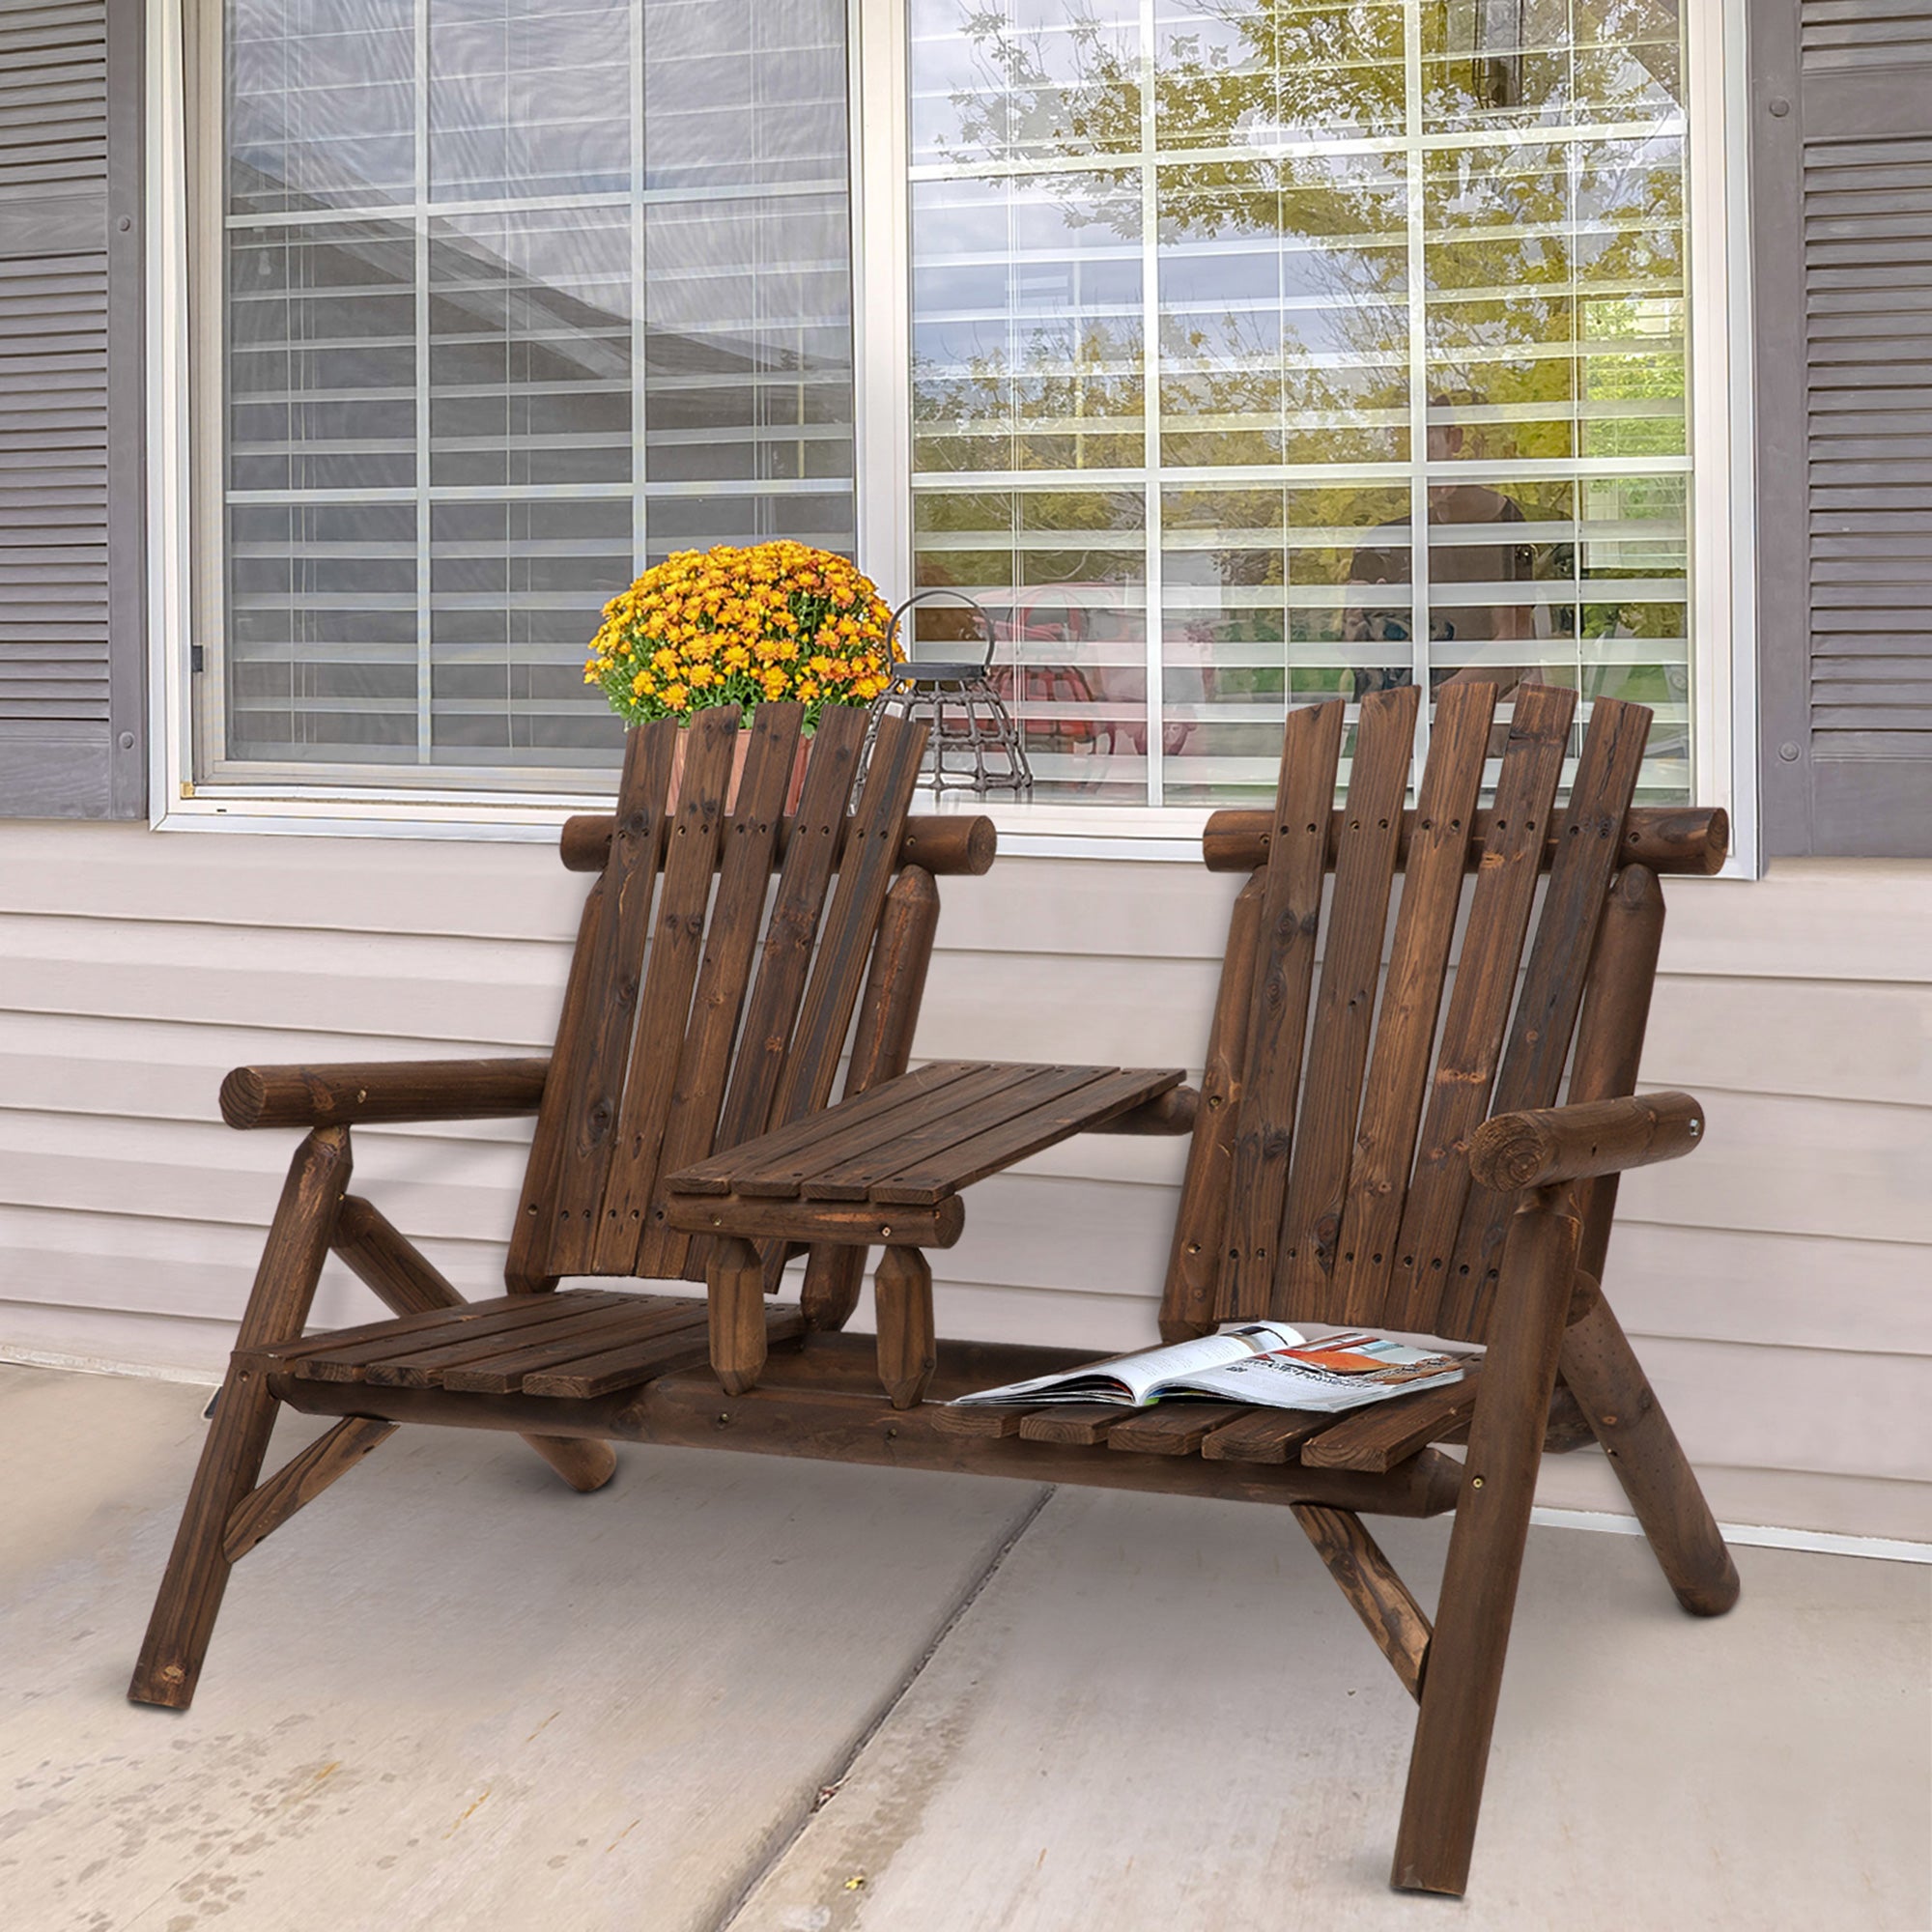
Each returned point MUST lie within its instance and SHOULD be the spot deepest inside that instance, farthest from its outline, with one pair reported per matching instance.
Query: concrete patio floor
(454, 1694)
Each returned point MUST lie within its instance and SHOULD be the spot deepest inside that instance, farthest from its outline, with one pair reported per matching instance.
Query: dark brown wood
(1689, 839)
(1278, 1008)
(1309, 1244)
(865, 1222)
(735, 1299)
(724, 983)
(1545, 1022)
(404, 1280)
(822, 1400)
(1265, 1436)
(1596, 1137)
(1398, 1080)
(423, 1090)
(192, 1589)
(1173, 1112)
(881, 1051)
(525, 1269)
(902, 1293)
(1071, 1423)
(263, 1510)
(988, 1421)
(597, 1335)
(1610, 1035)
(1199, 1225)
(1615, 1397)
(948, 844)
(1478, 1597)
(1478, 1008)
(694, 828)
(1172, 1427)
(633, 1363)
(1374, 1592)
(591, 1081)
(352, 1354)
(1378, 1437)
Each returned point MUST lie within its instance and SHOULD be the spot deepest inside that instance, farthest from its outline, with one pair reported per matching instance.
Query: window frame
(1722, 562)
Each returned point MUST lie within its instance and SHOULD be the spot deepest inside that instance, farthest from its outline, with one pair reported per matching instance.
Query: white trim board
(1744, 1535)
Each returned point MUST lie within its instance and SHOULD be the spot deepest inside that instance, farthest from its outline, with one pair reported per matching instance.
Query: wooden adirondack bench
(683, 1131)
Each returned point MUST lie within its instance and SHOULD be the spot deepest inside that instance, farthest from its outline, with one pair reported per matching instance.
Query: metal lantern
(974, 745)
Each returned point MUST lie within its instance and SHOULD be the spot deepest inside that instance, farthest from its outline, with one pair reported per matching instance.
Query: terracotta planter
(740, 750)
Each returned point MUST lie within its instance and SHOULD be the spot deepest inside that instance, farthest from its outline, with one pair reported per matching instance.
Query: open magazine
(1262, 1362)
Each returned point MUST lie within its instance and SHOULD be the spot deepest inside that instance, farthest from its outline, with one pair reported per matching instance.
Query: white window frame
(1723, 682)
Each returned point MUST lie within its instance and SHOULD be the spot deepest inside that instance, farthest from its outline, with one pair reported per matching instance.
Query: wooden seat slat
(1377, 1437)
(724, 975)
(593, 1077)
(1552, 984)
(1172, 1427)
(1263, 1435)
(352, 1352)
(637, 1362)
(1078, 1423)
(425, 1368)
(1411, 1001)
(561, 1351)
(1059, 1107)
(677, 929)
(285, 1353)
(1278, 1007)
(1309, 1243)
(858, 1146)
(1479, 1004)
(988, 1421)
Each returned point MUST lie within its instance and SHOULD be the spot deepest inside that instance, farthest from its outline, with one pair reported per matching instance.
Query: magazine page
(1335, 1373)
(1129, 1379)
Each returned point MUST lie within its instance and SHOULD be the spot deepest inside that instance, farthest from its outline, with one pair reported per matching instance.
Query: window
(510, 294)
(1214, 303)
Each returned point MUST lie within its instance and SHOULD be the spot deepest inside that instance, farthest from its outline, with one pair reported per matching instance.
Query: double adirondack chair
(1376, 1140)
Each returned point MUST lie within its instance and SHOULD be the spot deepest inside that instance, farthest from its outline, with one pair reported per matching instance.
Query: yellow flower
(675, 695)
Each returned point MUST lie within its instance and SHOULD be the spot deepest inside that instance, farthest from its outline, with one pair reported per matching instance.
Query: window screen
(518, 295)
(1217, 302)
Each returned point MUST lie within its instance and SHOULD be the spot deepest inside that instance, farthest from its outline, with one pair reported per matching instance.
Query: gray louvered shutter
(1841, 139)
(71, 686)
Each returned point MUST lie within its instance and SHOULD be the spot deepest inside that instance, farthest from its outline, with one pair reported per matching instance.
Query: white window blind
(1216, 302)
(518, 295)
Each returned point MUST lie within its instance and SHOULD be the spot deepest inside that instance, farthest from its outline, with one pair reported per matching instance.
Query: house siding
(1776, 1284)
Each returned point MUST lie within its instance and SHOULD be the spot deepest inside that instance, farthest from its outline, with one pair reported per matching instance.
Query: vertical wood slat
(1552, 985)
(1411, 1002)
(593, 1080)
(1278, 1006)
(527, 1266)
(1194, 1264)
(1309, 1243)
(1479, 1004)
(689, 864)
(724, 975)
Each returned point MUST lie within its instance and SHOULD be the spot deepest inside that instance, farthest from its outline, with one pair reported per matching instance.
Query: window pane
(520, 294)
(1255, 294)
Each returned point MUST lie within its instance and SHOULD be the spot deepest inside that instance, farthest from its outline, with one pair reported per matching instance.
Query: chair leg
(184, 1616)
(734, 1288)
(908, 1353)
(1609, 1384)
(1463, 1673)
(406, 1282)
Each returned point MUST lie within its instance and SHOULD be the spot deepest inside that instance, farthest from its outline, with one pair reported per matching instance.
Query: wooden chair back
(704, 1005)
(1329, 1179)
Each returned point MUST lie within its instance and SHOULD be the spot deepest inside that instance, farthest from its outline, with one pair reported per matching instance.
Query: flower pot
(740, 750)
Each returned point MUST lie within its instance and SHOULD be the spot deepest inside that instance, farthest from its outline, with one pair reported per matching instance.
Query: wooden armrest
(1169, 1113)
(404, 1090)
(1551, 1144)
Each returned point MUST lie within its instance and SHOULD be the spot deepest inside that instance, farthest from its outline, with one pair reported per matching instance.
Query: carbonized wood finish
(1479, 1007)
(192, 1589)
(1374, 1592)
(947, 844)
(736, 1302)
(1585, 1140)
(1199, 1227)
(1278, 1006)
(1432, 893)
(298, 1482)
(1069, 1424)
(1553, 983)
(1308, 1245)
(1265, 1436)
(1172, 1427)
(422, 1089)
(902, 1290)
(1378, 1437)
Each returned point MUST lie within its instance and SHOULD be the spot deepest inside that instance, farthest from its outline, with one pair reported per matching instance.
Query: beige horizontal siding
(1759, 1277)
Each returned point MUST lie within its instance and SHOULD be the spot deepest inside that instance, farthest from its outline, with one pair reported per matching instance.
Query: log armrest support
(1548, 1145)
(420, 1090)
(1169, 1113)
